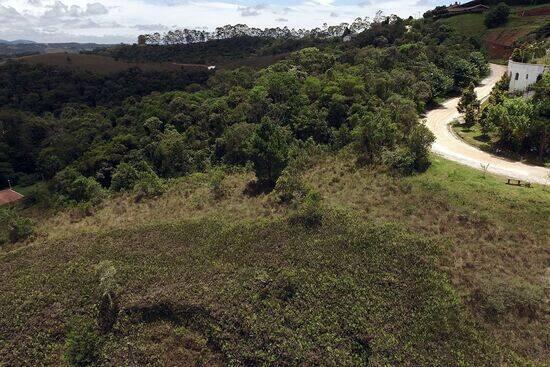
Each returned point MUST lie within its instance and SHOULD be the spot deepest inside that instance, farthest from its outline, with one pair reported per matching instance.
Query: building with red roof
(9, 196)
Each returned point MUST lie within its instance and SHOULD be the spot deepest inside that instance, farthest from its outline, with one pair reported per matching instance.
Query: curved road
(452, 147)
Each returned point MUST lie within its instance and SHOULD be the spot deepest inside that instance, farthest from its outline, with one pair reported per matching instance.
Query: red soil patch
(534, 12)
(500, 42)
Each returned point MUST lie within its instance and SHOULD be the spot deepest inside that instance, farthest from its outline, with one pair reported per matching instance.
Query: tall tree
(469, 105)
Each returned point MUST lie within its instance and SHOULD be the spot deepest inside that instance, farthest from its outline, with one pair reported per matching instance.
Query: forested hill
(213, 52)
(368, 93)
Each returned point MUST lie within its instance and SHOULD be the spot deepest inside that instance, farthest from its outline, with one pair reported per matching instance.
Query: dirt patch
(534, 12)
(500, 42)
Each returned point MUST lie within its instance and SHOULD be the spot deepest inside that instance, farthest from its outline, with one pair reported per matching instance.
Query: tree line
(187, 36)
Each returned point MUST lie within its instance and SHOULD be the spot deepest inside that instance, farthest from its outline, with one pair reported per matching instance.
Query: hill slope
(216, 281)
(499, 41)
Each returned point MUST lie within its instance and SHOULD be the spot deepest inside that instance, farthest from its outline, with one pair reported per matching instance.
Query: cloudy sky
(113, 21)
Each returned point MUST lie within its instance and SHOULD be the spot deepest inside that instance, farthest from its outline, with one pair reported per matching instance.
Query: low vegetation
(223, 279)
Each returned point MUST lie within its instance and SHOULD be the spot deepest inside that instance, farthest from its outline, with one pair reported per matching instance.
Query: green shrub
(269, 152)
(75, 187)
(497, 15)
(148, 186)
(216, 184)
(400, 160)
(502, 296)
(20, 228)
(127, 175)
(83, 344)
(310, 214)
(14, 227)
(234, 144)
(124, 177)
(290, 188)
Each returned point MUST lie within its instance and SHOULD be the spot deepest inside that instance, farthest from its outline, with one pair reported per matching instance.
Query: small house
(523, 75)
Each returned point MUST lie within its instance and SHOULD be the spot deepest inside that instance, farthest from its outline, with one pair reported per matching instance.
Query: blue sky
(113, 21)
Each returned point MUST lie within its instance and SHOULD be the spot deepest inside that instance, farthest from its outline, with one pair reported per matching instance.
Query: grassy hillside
(426, 270)
(499, 41)
(102, 64)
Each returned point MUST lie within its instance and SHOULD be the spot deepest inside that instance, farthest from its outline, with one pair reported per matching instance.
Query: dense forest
(369, 94)
(42, 88)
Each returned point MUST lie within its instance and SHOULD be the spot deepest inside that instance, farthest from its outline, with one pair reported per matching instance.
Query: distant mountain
(17, 42)
(22, 42)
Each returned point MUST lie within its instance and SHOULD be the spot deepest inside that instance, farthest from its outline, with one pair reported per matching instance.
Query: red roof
(9, 196)
(458, 8)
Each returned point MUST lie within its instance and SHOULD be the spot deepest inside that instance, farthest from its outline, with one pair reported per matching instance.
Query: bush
(124, 177)
(148, 186)
(499, 297)
(216, 183)
(290, 188)
(419, 142)
(497, 15)
(83, 344)
(310, 214)
(20, 228)
(233, 146)
(400, 160)
(75, 187)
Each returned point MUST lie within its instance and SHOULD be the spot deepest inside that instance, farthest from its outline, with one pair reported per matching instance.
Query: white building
(523, 75)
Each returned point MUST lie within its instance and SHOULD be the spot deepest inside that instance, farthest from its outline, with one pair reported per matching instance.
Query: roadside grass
(474, 136)
(488, 242)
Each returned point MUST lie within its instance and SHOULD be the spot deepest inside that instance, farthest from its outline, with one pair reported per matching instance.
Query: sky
(115, 21)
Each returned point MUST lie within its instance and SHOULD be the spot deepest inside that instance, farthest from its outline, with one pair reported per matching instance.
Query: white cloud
(122, 20)
(96, 9)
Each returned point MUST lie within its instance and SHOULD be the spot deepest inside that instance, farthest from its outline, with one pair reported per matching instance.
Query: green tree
(513, 120)
(269, 152)
(83, 344)
(497, 15)
(469, 105)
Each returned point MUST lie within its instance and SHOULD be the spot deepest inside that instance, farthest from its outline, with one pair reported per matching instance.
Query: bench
(516, 182)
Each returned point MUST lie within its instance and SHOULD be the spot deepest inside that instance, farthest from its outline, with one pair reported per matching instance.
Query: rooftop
(9, 196)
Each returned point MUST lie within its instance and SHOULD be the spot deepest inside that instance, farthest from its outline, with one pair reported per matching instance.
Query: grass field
(101, 64)
(427, 270)
(499, 41)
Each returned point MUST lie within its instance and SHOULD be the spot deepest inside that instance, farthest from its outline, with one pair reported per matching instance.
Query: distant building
(523, 75)
(463, 9)
(9, 196)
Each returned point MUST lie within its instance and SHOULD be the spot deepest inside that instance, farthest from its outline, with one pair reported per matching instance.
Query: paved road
(452, 147)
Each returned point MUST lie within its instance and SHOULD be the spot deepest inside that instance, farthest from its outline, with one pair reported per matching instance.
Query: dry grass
(494, 237)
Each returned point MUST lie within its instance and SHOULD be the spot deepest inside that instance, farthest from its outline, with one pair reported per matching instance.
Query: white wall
(523, 75)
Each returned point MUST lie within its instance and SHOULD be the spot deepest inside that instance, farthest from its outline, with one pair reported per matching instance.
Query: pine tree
(469, 105)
